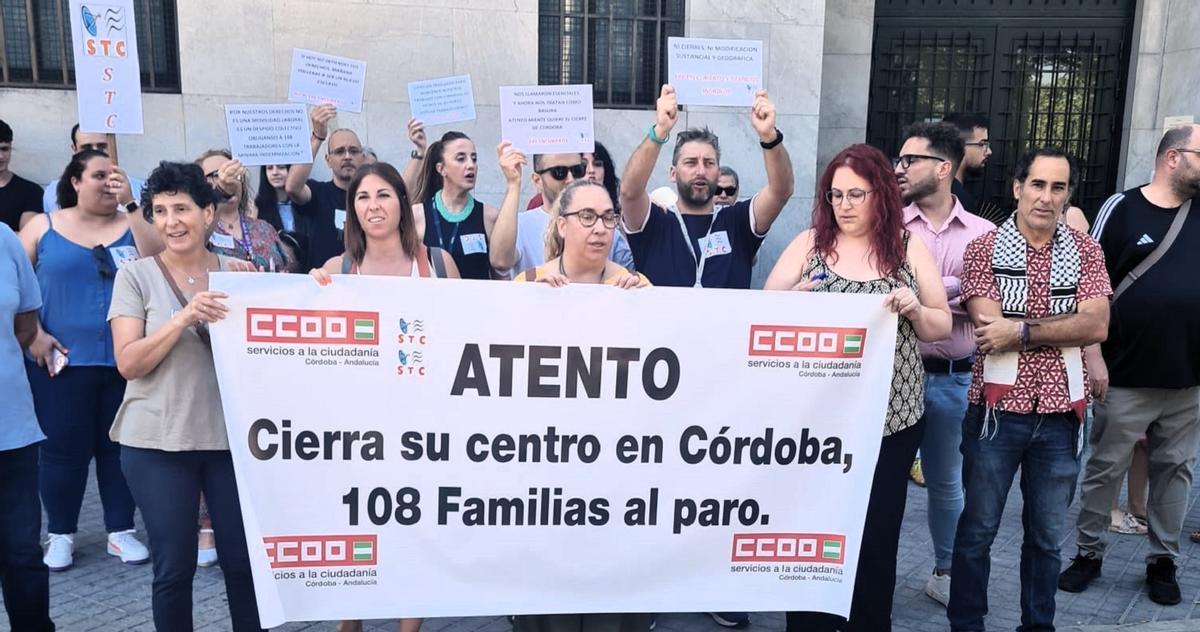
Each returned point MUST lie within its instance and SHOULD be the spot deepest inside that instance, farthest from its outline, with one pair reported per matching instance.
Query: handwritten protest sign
(441, 101)
(269, 134)
(319, 78)
(548, 119)
(714, 71)
(108, 79)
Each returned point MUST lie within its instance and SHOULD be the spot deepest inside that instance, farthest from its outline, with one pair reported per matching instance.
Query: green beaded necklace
(453, 217)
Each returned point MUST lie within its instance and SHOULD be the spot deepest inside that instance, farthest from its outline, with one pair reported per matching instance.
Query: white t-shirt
(531, 243)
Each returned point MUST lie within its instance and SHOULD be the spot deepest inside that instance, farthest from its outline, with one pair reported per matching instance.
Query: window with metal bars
(618, 46)
(35, 44)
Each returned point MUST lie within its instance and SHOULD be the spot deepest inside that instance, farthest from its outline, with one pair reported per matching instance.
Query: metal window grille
(618, 46)
(35, 44)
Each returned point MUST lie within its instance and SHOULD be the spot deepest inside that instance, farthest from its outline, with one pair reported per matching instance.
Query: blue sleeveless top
(77, 287)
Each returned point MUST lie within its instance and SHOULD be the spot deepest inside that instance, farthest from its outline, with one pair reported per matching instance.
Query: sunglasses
(104, 264)
(729, 191)
(560, 172)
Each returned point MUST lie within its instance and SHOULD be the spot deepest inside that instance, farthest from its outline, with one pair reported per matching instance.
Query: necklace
(563, 271)
(453, 217)
(192, 278)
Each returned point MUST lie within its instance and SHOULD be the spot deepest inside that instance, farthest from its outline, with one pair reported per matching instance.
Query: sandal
(916, 474)
(1129, 524)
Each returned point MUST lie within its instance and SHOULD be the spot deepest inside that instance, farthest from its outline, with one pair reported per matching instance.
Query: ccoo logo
(807, 342)
(306, 326)
(292, 551)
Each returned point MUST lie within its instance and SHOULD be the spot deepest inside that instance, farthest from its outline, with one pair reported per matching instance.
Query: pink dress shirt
(947, 245)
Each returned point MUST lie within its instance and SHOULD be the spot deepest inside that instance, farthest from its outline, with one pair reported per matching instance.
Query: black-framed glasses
(104, 264)
(560, 172)
(587, 217)
(982, 144)
(1187, 151)
(730, 191)
(856, 196)
(906, 160)
(212, 176)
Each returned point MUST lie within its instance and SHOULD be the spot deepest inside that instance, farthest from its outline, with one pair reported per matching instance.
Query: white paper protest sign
(443, 100)
(108, 78)
(714, 71)
(548, 119)
(269, 134)
(395, 452)
(320, 78)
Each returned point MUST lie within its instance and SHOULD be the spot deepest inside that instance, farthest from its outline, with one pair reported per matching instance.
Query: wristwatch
(775, 143)
(131, 206)
(416, 155)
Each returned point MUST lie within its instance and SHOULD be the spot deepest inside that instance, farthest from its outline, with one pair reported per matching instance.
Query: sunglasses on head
(560, 172)
(104, 264)
(730, 191)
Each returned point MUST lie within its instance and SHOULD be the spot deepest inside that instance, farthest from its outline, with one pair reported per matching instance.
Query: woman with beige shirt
(170, 425)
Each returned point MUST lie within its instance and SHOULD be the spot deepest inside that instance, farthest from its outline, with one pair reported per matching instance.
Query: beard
(1186, 185)
(974, 170)
(686, 194)
(919, 190)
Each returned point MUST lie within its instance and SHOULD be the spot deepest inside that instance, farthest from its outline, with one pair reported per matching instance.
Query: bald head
(1177, 163)
(344, 155)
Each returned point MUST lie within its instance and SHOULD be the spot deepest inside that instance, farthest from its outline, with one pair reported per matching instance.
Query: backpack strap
(347, 265)
(423, 260)
(439, 263)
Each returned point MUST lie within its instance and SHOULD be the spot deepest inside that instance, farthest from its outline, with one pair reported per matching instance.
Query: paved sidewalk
(101, 594)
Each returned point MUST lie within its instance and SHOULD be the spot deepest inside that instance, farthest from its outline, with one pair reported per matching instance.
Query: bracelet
(320, 138)
(1024, 336)
(654, 138)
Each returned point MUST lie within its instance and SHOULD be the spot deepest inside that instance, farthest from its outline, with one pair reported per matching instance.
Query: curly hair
(176, 177)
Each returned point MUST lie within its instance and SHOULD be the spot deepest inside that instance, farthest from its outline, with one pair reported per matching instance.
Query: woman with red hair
(858, 245)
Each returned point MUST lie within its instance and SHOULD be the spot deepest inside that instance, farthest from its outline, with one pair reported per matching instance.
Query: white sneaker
(938, 588)
(124, 545)
(60, 551)
(206, 557)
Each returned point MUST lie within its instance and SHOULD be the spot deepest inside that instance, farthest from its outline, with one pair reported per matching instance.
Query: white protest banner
(108, 78)
(714, 71)
(320, 78)
(415, 447)
(548, 119)
(441, 101)
(269, 134)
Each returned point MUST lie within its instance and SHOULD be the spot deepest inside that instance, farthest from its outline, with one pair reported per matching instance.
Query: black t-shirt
(466, 241)
(965, 197)
(1154, 327)
(324, 216)
(662, 253)
(17, 197)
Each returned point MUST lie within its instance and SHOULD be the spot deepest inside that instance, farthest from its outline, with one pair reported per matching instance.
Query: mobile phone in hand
(58, 362)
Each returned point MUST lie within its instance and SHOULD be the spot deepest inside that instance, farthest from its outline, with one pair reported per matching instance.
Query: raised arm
(297, 179)
(416, 164)
(502, 234)
(769, 202)
(635, 202)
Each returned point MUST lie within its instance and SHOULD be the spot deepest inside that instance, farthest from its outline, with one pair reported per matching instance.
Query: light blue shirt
(50, 195)
(531, 242)
(19, 293)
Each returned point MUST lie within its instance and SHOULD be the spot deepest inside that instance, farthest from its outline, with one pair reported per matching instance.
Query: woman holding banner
(381, 239)
(238, 231)
(170, 425)
(479, 237)
(858, 245)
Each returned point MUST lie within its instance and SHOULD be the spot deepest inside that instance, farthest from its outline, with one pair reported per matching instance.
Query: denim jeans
(1044, 447)
(941, 458)
(167, 486)
(24, 579)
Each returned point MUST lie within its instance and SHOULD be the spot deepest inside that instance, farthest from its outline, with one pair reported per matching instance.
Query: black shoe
(1160, 578)
(1081, 572)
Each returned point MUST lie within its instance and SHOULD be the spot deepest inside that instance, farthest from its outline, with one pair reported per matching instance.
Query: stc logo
(821, 548)
(109, 19)
(292, 551)
(307, 326)
(807, 342)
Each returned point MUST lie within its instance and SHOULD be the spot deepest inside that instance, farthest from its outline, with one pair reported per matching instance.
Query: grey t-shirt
(177, 406)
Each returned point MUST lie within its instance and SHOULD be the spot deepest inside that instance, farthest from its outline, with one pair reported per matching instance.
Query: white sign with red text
(108, 78)
(714, 71)
(400, 453)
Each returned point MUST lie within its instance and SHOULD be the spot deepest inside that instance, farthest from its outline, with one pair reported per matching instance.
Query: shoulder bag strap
(423, 255)
(347, 264)
(1157, 253)
(201, 330)
(439, 264)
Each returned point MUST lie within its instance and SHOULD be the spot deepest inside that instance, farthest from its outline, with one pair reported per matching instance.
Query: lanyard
(699, 261)
(438, 227)
(245, 240)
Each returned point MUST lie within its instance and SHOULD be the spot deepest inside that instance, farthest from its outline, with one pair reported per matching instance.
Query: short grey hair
(695, 135)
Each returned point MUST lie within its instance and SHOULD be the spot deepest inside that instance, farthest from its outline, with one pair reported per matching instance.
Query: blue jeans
(76, 410)
(1044, 447)
(24, 579)
(941, 458)
(167, 486)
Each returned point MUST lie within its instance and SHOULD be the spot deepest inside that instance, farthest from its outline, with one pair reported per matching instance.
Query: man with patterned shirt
(1037, 292)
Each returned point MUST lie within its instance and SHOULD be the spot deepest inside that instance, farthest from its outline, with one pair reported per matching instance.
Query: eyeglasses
(1187, 151)
(906, 160)
(587, 217)
(856, 197)
(560, 172)
(211, 176)
(342, 151)
(730, 191)
(982, 144)
(104, 263)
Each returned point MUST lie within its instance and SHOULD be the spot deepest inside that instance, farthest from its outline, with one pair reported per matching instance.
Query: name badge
(221, 240)
(123, 255)
(339, 218)
(715, 244)
(473, 243)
